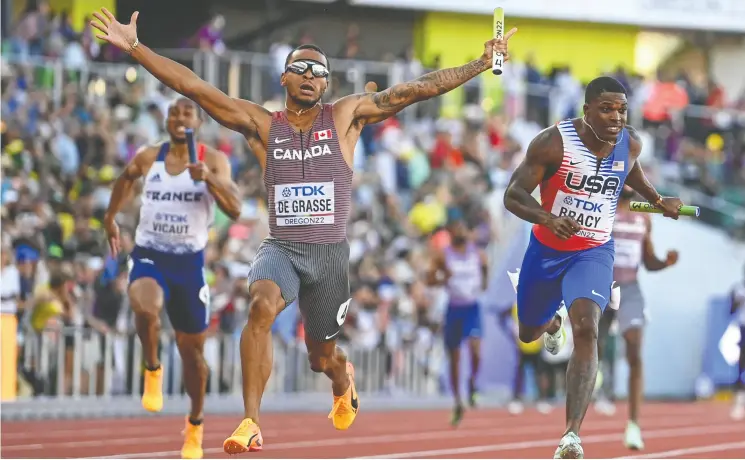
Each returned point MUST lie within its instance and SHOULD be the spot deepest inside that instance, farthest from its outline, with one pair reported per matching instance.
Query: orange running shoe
(245, 438)
(193, 435)
(345, 407)
(152, 397)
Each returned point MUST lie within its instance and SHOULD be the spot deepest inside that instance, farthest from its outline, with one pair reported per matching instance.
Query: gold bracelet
(658, 201)
(133, 46)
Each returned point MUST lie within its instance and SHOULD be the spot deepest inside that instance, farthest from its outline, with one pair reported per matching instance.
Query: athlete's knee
(633, 348)
(585, 316)
(265, 304)
(633, 357)
(191, 347)
(146, 298)
(319, 359)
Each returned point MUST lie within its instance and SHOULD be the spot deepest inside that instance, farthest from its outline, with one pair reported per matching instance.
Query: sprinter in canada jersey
(581, 166)
(307, 152)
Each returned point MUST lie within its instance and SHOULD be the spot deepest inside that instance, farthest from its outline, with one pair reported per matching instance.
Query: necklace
(301, 111)
(598, 137)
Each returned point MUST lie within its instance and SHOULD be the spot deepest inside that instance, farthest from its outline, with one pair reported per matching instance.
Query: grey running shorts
(631, 312)
(316, 274)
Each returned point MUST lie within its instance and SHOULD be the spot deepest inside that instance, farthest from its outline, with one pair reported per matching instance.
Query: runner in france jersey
(167, 265)
(581, 166)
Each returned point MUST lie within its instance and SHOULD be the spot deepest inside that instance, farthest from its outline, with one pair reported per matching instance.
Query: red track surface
(700, 430)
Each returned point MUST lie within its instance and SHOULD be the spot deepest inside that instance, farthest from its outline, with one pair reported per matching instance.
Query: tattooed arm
(375, 107)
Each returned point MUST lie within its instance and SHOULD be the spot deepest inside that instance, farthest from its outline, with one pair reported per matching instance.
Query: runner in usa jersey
(581, 166)
(307, 153)
(586, 189)
(166, 267)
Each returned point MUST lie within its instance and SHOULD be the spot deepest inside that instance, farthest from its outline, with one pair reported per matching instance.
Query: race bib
(170, 224)
(592, 214)
(310, 203)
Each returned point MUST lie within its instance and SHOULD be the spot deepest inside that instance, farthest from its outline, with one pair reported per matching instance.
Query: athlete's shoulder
(546, 145)
(635, 140)
(151, 149)
(146, 155)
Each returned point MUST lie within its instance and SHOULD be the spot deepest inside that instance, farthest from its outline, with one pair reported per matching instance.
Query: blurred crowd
(65, 142)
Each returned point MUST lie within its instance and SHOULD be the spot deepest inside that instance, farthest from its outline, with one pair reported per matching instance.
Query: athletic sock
(195, 422)
(152, 368)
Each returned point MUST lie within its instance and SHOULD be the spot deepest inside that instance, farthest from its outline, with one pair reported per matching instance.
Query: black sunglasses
(300, 67)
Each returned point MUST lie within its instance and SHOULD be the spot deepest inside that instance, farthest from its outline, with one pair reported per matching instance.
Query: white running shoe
(515, 407)
(738, 410)
(544, 407)
(554, 342)
(632, 439)
(605, 406)
(570, 446)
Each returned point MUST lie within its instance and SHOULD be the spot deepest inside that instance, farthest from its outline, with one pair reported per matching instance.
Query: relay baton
(497, 58)
(643, 206)
(192, 146)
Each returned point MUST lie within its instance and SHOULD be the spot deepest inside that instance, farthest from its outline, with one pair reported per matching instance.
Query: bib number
(310, 203)
(592, 214)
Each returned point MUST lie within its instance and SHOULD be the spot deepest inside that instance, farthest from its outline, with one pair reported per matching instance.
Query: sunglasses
(300, 67)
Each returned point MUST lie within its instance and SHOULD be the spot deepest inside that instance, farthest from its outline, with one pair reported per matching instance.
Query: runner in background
(632, 233)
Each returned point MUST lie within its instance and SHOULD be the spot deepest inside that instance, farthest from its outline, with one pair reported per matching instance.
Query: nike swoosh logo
(595, 293)
(281, 141)
(573, 163)
(332, 335)
(355, 400)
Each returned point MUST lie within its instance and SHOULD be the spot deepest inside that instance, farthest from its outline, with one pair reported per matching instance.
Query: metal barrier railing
(82, 363)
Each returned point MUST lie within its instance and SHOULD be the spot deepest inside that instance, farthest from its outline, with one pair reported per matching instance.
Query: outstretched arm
(375, 107)
(242, 118)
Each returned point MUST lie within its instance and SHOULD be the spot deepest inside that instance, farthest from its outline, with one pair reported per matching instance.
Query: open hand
(123, 36)
(498, 45)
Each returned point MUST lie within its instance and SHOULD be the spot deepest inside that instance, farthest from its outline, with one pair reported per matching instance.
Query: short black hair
(181, 99)
(308, 47)
(602, 85)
